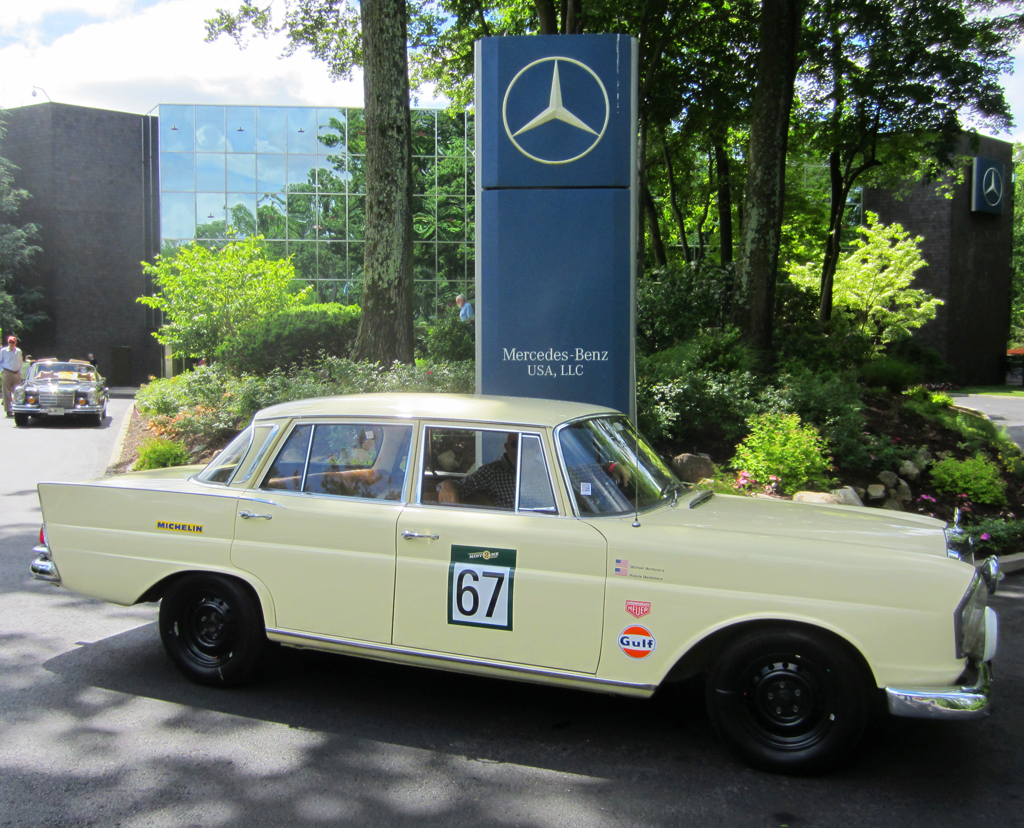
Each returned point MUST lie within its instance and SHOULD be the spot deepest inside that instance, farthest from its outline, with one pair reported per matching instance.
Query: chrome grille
(54, 397)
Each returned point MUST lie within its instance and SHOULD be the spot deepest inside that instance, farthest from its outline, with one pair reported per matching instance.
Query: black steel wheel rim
(208, 630)
(787, 702)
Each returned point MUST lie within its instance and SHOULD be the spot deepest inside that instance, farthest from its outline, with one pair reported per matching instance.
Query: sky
(131, 55)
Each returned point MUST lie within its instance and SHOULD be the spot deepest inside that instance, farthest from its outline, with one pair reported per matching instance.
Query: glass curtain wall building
(295, 175)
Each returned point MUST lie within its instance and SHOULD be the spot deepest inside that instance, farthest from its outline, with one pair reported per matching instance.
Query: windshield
(62, 371)
(611, 468)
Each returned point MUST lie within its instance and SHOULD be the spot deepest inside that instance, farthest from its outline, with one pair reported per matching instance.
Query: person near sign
(465, 309)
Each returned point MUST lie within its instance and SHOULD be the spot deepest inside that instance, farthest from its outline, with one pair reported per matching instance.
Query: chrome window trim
(267, 443)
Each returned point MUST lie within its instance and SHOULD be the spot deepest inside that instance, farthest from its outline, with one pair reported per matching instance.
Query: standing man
(465, 309)
(10, 370)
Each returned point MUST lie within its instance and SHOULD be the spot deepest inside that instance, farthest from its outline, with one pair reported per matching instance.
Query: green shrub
(209, 402)
(297, 336)
(675, 303)
(783, 453)
(719, 351)
(890, 373)
(159, 453)
(450, 340)
(995, 536)
(702, 411)
(977, 478)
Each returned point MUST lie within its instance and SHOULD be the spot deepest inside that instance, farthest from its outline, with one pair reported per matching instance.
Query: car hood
(827, 525)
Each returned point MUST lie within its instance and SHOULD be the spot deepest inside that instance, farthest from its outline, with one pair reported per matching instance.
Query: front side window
(483, 468)
(611, 469)
(345, 459)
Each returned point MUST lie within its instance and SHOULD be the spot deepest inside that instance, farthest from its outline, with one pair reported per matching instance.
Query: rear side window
(344, 459)
(223, 466)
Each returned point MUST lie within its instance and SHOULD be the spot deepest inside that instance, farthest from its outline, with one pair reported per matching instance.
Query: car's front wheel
(788, 700)
(212, 628)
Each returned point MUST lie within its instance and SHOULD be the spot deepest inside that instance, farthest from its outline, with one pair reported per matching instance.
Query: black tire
(20, 420)
(212, 628)
(788, 700)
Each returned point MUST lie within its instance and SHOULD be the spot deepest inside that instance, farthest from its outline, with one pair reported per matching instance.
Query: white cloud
(135, 60)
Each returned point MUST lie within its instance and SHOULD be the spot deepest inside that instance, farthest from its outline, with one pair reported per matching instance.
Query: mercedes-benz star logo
(992, 187)
(555, 111)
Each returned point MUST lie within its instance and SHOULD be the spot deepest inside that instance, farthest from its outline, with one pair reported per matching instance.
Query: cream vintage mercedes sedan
(540, 541)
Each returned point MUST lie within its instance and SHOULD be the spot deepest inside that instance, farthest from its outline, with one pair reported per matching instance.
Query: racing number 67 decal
(480, 581)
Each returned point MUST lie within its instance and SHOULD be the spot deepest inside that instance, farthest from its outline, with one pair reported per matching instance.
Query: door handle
(247, 514)
(410, 535)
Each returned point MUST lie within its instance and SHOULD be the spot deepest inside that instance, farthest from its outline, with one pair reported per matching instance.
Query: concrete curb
(115, 455)
(1011, 563)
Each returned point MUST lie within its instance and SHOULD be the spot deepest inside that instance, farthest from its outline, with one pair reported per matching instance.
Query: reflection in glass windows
(296, 175)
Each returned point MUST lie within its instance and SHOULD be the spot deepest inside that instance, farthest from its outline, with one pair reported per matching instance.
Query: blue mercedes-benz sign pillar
(556, 218)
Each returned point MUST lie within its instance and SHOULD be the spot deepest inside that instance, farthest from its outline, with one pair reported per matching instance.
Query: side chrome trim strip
(971, 699)
(389, 652)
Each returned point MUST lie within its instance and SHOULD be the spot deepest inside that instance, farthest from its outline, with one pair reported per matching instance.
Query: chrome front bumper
(42, 567)
(969, 699)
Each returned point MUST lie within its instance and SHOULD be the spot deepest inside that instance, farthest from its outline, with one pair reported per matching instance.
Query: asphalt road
(1005, 411)
(97, 728)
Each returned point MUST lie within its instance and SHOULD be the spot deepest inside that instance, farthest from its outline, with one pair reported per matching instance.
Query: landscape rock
(815, 497)
(923, 458)
(910, 471)
(903, 493)
(848, 496)
(691, 468)
(876, 491)
(894, 505)
(845, 496)
(888, 478)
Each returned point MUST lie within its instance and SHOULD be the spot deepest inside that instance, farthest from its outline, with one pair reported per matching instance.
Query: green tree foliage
(296, 336)
(16, 251)
(1017, 288)
(783, 454)
(892, 83)
(873, 280)
(206, 295)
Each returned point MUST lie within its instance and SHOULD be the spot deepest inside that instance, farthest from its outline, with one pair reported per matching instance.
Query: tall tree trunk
(758, 258)
(724, 204)
(673, 197)
(547, 17)
(385, 326)
(833, 242)
(654, 225)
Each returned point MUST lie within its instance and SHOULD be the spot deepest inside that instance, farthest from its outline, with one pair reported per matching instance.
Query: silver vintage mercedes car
(73, 388)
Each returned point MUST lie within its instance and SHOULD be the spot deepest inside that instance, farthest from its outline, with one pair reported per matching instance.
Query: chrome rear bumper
(42, 567)
(970, 699)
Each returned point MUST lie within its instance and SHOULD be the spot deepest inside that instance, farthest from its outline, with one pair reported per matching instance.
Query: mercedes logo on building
(534, 74)
(992, 187)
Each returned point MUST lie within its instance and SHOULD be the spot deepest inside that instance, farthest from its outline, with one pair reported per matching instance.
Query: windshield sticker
(585, 489)
(638, 609)
(637, 642)
(480, 587)
(187, 528)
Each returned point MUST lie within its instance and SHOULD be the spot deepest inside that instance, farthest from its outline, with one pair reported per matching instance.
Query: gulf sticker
(637, 642)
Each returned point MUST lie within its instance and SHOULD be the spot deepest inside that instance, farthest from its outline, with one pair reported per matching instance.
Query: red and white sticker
(637, 642)
(638, 609)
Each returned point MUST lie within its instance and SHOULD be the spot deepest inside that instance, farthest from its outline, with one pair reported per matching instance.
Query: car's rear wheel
(212, 628)
(20, 419)
(788, 700)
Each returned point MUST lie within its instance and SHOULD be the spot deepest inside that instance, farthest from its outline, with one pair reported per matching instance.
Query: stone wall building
(967, 243)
